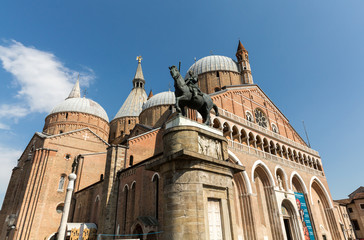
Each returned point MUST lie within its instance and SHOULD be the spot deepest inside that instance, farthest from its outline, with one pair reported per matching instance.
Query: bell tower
(138, 81)
(244, 66)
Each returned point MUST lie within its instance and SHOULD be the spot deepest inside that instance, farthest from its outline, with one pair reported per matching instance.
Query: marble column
(66, 208)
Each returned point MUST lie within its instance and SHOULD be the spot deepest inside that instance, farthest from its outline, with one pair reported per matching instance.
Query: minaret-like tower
(243, 61)
(128, 115)
(138, 80)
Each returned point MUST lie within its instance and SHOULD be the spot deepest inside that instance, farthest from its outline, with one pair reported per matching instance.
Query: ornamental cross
(139, 59)
(85, 137)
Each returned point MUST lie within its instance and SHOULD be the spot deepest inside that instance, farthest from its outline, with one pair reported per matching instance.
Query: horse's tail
(216, 109)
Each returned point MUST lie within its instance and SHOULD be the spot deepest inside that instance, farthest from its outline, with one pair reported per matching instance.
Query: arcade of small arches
(253, 140)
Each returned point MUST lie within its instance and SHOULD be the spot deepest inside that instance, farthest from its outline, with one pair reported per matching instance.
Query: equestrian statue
(189, 95)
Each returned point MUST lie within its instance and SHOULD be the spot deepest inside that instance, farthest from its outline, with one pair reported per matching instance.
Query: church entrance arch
(298, 186)
(269, 224)
(290, 223)
(242, 202)
(324, 216)
(138, 230)
(244, 216)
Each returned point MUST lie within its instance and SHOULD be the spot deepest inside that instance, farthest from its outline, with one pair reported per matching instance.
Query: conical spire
(139, 72)
(241, 47)
(138, 80)
(75, 92)
(150, 94)
(132, 106)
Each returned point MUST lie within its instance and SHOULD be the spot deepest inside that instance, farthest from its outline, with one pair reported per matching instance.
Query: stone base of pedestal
(197, 184)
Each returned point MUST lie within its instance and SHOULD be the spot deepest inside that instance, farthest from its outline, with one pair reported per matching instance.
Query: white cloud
(9, 157)
(4, 126)
(44, 81)
(12, 111)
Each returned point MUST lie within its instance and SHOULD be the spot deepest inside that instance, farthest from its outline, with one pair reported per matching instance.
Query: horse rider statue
(191, 82)
(189, 95)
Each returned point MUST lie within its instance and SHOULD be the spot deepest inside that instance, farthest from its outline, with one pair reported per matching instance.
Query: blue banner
(304, 216)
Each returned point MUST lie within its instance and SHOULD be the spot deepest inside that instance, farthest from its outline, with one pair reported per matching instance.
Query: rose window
(260, 118)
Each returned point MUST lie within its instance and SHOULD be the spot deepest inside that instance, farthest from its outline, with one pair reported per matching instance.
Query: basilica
(150, 173)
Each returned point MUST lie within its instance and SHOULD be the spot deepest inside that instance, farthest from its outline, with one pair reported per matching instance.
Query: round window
(260, 118)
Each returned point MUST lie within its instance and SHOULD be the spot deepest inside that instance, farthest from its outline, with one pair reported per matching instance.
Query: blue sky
(307, 56)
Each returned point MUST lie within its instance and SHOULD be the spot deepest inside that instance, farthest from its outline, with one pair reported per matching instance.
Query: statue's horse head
(174, 71)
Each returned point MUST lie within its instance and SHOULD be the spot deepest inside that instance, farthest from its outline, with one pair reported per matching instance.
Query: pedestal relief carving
(209, 147)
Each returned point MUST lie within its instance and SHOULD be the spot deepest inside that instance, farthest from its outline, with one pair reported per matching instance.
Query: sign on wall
(304, 216)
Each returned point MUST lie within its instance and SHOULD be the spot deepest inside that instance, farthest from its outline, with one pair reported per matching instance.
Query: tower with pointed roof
(244, 65)
(128, 115)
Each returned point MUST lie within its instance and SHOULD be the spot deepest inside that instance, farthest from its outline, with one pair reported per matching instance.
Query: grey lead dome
(214, 63)
(163, 98)
(74, 103)
(83, 105)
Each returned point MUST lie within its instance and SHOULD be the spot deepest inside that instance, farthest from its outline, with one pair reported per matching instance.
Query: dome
(83, 105)
(163, 98)
(214, 63)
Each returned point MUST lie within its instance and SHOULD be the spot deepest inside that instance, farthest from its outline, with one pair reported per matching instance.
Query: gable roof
(358, 192)
(44, 135)
(251, 86)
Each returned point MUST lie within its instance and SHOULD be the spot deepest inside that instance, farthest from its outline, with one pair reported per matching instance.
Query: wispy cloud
(4, 126)
(12, 111)
(9, 157)
(42, 79)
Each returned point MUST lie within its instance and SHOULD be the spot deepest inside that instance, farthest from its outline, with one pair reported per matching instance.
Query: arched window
(125, 205)
(61, 183)
(274, 128)
(156, 194)
(132, 200)
(60, 207)
(249, 116)
(131, 160)
(217, 123)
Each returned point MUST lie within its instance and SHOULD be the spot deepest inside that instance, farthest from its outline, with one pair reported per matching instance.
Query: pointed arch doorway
(290, 223)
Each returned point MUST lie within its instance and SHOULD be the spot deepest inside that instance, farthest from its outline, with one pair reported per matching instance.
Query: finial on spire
(139, 59)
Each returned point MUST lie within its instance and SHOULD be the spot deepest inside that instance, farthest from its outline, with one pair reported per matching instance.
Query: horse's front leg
(183, 111)
(178, 109)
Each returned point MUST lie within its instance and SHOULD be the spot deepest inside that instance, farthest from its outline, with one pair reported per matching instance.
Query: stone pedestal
(195, 173)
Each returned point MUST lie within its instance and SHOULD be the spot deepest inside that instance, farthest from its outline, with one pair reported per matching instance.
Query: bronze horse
(203, 104)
